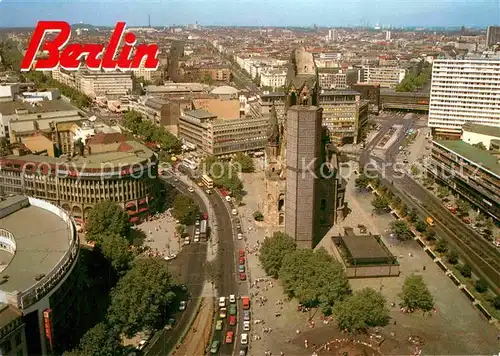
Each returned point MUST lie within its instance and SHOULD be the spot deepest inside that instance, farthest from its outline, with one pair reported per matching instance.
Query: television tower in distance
(149, 20)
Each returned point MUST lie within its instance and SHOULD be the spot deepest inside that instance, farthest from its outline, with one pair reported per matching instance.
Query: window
(19, 339)
(6, 347)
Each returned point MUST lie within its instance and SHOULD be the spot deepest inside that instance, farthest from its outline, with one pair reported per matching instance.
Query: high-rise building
(387, 35)
(464, 90)
(303, 152)
(333, 35)
(493, 35)
(386, 77)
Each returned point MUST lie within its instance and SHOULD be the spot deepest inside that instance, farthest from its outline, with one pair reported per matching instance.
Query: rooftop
(40, 245)
(10, 107)
(125, 155)
(224, 90)
(200, 114)
(482, 129)
(473, 154)
(365, 247)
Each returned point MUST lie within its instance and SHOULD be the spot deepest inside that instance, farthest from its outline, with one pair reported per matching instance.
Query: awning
(141, 210)
(134, 219)
(130, 204)
(132, 212)
(143, 201)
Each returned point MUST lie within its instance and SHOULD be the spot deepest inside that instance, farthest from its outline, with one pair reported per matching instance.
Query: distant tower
(149, 20)
(387, 35)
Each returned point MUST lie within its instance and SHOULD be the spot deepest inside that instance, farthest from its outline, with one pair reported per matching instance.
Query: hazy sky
(256, 12)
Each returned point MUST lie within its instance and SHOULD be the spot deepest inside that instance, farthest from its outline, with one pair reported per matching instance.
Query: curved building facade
(43, 245)
(125, 174)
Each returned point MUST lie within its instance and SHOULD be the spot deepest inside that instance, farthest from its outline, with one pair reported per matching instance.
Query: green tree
(463, 207)
(132, 120)
(452, 256)
(481, 286)
(142, 298)
(415, 294)
(413, 215)
(430, 234)
(107, 218)
(401, 230)
(258, 216)
(366, 308)
(314, 278)
(380, 203)
(245, 162)
(420, 226)
(465, 270)
(185, 209)
(441, 246)
(362, 181)
(496, 302)
(101, 340)
(404, 210)
(443, 192)
(116, 249)
(480, 145)
(207, 79)
(273, 250)
(415, 170)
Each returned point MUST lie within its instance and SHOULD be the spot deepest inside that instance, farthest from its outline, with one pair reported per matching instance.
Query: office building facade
(464, 91)
(493, 36)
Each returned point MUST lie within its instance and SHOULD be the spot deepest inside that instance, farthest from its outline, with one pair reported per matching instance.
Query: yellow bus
(209, 183)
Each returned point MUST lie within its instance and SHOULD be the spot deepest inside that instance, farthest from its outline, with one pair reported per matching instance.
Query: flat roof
(137, 154)
(9, 107)
(42, 239)
(200, 114)
(364, 247)
(473, 154)
(487, 130)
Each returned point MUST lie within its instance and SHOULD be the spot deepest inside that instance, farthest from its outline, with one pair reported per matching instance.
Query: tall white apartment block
(387, 77)
(464, 90)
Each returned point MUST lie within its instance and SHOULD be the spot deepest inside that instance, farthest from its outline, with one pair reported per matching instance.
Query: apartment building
(274, 78)
(160, 111)
(148, 74)
(70, 79)
(19, 119)
(464, 91)
(472, 172)
(218, 73)
(493, 35)
(386, 77)
(222, 137)
(344, 114)
(108, 84)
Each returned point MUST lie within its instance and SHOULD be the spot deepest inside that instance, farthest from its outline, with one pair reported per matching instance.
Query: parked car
(232, 320)
(222, 313)
(170, 257)
(197, 223)
(244, 339)
(243, 351)
(246, 315)
(182, 305)
(242, 253)
(242, 260)
(214, 348)
(240, 236)
(232, 298)
(246, 326)
(241, 268)
(232, 309)
(190, 190)
(243, 277)
(141, 345)
(218, 325)
(229, 337)
(222, 301)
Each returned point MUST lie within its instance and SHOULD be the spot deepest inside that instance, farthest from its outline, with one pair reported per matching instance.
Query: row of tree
(150, 132)
(412, 82)
(144, 295)
(42, 81)
(316, 279)
(225, 174)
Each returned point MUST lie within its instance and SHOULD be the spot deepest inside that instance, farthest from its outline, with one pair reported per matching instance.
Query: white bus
(189, 164)
(209, 183)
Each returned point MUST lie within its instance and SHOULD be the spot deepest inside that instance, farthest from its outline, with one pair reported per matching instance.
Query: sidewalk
(212, 221)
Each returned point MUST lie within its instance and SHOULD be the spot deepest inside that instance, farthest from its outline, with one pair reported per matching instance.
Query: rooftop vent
(39, 277)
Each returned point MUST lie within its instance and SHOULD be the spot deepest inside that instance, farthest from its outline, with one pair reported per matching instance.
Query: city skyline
(444, 13)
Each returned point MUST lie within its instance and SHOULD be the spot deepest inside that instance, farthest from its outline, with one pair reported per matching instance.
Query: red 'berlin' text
(96, 56)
